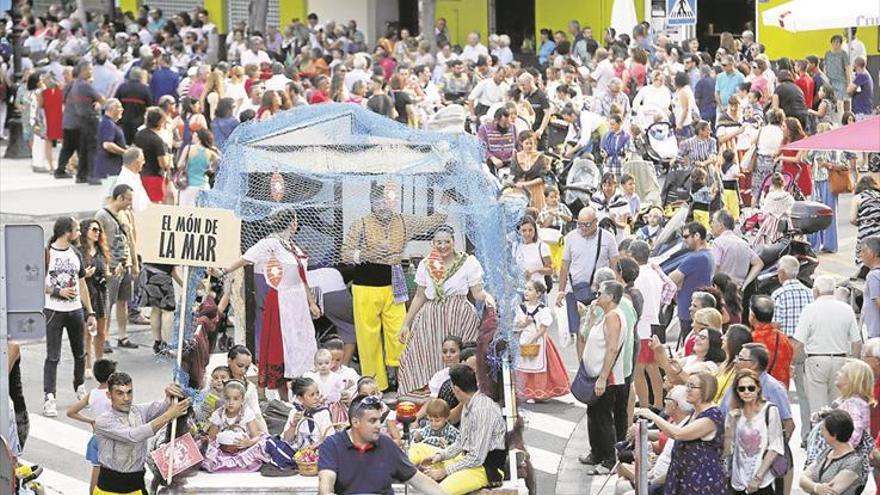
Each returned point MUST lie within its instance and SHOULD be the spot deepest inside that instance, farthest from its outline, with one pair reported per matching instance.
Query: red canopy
(861, 136)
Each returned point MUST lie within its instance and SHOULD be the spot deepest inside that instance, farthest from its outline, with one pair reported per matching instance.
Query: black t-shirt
(791, 99)
(135, 98)
(540, 104)
(401, 100)
(154, 148)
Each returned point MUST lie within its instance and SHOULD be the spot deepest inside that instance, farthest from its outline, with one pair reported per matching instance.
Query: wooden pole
(184, 314)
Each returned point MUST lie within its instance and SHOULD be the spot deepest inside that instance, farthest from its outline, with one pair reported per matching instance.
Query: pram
(450, 118)
(581, 181)
(751, 225)
(662, 146)
(677, 187)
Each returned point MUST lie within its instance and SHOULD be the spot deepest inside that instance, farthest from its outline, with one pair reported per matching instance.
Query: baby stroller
(662, 146)
(451, 118)
(581, 181)
(677, 188)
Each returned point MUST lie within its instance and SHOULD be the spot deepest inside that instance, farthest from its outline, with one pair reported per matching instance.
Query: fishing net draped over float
(329, 163)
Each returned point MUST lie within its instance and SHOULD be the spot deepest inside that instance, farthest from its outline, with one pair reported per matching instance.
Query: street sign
(681, 12)
(25, 262)
(189, 236)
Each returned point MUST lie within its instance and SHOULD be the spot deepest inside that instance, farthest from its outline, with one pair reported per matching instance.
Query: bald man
(587, 249)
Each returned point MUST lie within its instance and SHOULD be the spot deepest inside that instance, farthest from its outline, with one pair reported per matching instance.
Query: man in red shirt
(764, 331)
(805, 82)
(321, 93)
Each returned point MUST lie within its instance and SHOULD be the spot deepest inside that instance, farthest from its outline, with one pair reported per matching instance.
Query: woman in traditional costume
(440, 309)
(287, 338)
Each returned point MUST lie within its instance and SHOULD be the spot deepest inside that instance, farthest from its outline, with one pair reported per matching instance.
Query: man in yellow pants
(375, 243)
(479, 456)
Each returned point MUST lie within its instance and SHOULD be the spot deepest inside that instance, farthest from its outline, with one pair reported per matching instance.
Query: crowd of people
(142, 105)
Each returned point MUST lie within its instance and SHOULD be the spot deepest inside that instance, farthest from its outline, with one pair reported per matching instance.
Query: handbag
(583, 291)
(583, 387)
(780, 465)
(180, 176)
(840, 181)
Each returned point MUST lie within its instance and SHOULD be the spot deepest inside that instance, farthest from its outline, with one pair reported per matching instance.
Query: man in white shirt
(358, 72)
(732, 253)
(278, 81)
(603, 73)
(855, 48)
(130, 175)
(650, 285)
(488, 92)
(474, 48)
(503, 51)
(255, 54)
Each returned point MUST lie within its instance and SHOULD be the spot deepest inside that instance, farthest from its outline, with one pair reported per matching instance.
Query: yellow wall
(463, 17)
(128, 5)
(782, 43)
(217, 13)
(288, 10)
(556, 14)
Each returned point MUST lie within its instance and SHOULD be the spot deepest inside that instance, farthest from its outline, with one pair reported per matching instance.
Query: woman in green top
(199, 159)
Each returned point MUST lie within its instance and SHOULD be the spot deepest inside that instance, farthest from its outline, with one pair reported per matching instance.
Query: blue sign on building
(681, 12)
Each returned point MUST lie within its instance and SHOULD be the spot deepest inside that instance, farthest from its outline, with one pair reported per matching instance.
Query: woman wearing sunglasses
(96, 259)
(753, 437)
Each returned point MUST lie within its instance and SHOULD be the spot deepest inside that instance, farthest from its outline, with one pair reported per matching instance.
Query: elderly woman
(838, 470)
(111, 141)
(696, 465)
(439, 308)
(855, 382)
(753, 436)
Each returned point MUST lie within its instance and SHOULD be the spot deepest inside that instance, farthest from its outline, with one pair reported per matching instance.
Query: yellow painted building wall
(128, 5)
(217, 13)
(556, 14)
(463, 17)
(782, 43)
(288, 10)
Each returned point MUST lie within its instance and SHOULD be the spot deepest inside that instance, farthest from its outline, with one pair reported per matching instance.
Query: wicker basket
(307, 468)
(529, 350)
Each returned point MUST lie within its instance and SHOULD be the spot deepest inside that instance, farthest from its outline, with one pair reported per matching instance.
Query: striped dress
(868, 218)
(442, 315)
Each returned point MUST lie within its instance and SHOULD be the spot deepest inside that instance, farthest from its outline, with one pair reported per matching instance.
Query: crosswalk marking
(55, 482)
(549, 424)
(544, 460)
(60, 434)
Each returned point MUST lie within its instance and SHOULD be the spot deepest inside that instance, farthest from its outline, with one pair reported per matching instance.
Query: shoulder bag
(840, 181)
(780, 465)
(583, 387)
(583, 291)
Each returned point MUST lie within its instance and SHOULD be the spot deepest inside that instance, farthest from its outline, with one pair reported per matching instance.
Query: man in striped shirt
(498, 138)
(479, 456)
(700, 149)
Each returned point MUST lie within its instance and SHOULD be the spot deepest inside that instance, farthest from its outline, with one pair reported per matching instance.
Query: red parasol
(860, 136)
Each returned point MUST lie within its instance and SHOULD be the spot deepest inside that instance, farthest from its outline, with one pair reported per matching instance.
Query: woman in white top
(654, 95)
(530, 253)
(684, 107)
(440, 308)
(753, 436)
(769, 142)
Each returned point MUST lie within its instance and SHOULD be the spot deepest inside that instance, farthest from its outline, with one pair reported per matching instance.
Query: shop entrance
(716, 16)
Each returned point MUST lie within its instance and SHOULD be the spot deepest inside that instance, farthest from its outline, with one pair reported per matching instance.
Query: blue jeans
(826, 239)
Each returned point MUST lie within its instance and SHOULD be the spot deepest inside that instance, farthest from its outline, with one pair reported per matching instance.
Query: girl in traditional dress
(440, 308)
(236, 443)
(543, 376)
(287, 337)
(307, 403)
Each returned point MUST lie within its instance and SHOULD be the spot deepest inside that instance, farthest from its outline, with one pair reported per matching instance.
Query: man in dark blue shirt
(694, 272)
(362, 460)
(165, 80)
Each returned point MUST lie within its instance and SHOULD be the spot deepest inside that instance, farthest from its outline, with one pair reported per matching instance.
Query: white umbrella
(623, 16)
(812, 15)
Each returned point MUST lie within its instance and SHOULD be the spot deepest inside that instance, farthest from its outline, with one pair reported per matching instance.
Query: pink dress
(244, 461)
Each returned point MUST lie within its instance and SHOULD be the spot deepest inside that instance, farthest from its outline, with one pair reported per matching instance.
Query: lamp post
(17, 147)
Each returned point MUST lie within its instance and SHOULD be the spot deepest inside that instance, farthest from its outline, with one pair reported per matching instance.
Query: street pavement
(556, 429)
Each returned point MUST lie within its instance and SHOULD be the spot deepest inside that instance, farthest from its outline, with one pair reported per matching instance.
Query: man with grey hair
(828, 333)
(111, 141)
(727, 82)
(255, 53)
(869, 248)
(537, 98)
(789, 301)
(80, 125)
(603, 72)
(613, 97)
(132, 164)
(732, 253)
(278, 81)
(135, 97)
(359, 64)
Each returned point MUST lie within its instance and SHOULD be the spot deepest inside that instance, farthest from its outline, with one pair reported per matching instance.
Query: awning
(860, 136)
(812, 15)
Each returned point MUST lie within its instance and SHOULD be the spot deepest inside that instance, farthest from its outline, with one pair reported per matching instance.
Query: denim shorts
(92, 451)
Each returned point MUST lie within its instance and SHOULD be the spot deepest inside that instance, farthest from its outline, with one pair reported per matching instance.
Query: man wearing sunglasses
(362, 460)
(695, 271)
(587, 249)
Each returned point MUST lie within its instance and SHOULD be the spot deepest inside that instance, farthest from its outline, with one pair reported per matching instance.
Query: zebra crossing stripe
(55, 482)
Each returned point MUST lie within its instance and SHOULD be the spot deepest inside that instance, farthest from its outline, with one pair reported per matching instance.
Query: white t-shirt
(65, 268)
(650, 285)
(531, 256)
(327, 279)
(349, 376)
(99, 402)
(330, 386)
(594, 351)
(603, 74)
(437, 381)
(751, 439)
(472, 53)
(468, 275)
(248, 57)
(140, 200)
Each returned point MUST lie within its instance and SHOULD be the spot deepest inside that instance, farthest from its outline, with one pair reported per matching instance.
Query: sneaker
(589, 460)
(138, 319)
(50, 409)
(80, 392)
(108, 349)
(126, 344)
(602, 469)
(63, 175)
(157, 345)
